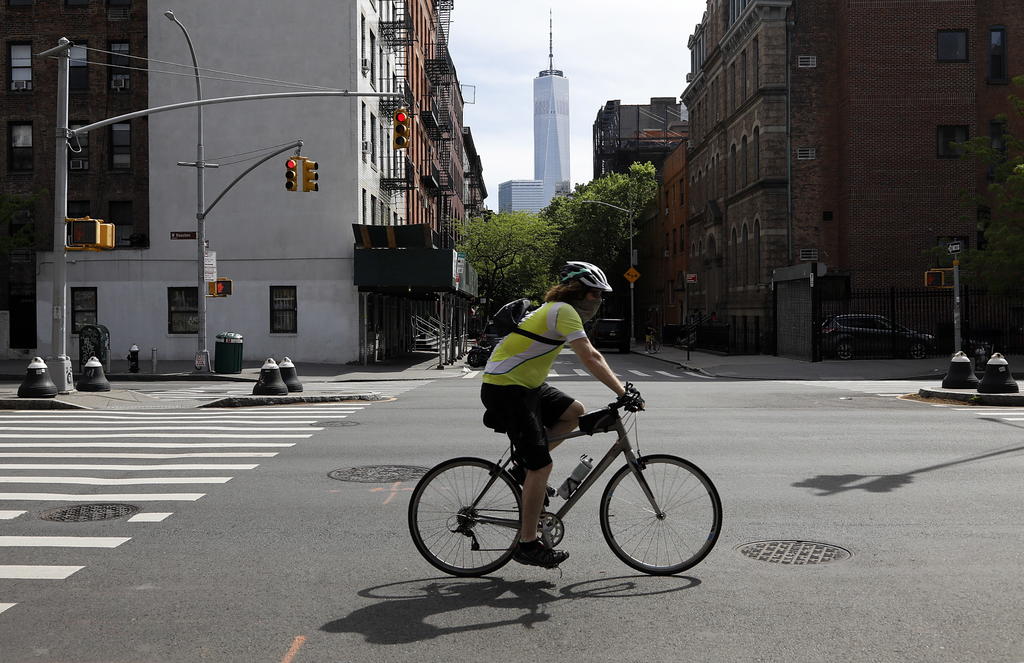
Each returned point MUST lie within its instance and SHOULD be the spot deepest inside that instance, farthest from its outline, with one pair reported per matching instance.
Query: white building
(289, 254)
(551, 130)
(521, 196)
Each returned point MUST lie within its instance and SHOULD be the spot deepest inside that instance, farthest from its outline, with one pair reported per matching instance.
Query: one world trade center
(551, 128)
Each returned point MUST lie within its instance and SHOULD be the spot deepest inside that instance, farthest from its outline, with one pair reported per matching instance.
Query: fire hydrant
(133, 359)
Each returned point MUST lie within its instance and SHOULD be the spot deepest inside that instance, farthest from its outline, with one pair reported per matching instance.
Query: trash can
(228, 353)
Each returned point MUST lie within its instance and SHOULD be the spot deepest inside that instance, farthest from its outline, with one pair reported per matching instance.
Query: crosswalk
(872, 387)
(386, 389)
(629, 374)
(151, 460)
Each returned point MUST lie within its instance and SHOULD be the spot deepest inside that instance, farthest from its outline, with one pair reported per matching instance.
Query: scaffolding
(624, 134)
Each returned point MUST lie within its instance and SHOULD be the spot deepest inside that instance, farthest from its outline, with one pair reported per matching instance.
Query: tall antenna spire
(551, 42)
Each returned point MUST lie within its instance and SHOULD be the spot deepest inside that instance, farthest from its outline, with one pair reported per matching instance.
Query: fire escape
(398, 35)
(438, 119)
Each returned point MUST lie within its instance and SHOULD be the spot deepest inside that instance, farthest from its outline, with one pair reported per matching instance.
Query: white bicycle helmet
(586, 273)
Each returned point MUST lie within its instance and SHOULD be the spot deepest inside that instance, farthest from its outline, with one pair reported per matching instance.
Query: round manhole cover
(81, 513)
(336, 424)
(379, 473)
(794, 552)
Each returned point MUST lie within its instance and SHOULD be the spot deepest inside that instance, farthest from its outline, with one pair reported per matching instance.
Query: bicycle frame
(621, 445)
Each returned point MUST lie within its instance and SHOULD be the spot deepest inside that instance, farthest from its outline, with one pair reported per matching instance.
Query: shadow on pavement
(413, 603)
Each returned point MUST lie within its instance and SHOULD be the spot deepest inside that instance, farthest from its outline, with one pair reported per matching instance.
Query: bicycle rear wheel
(458, 527)
(682, 536)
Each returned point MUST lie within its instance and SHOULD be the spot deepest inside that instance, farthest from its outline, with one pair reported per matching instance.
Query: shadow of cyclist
(429, 598)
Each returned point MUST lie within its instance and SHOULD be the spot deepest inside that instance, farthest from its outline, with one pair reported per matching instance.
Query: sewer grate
(379, 473)
(82, 513)
(794, 552)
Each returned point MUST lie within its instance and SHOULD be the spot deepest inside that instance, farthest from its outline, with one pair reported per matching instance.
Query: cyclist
(520, 402)
(649, 339)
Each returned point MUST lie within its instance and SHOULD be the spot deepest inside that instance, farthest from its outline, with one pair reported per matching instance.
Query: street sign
(954, 247)
(632, 275)
(183, 234)
(210, 266)
(691, 278)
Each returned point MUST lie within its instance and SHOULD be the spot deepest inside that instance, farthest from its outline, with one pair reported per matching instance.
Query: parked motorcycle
(478, 355)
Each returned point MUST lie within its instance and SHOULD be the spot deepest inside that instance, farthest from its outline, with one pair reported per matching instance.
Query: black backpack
(508, 317)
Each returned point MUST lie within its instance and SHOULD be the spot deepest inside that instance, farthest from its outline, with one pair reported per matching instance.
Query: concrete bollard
(37, 382)
(270, 382)
(961, 373)
(290, 376)
(93, 378)
(997, 379)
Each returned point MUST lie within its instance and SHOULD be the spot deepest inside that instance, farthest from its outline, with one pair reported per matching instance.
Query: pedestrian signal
(291, 174)
(401, 129)
(938, 278)
(219, 288)
(309, 175)
(88, 234)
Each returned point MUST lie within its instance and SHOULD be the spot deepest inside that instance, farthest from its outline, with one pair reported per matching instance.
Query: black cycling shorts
(524, 414)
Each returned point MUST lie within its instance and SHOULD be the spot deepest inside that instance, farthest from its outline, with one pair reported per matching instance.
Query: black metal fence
(994, 322)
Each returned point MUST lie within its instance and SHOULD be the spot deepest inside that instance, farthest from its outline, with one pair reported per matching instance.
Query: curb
(38, 404)
(972, 397)
(154, 377)
(253, 401)
(677, 364)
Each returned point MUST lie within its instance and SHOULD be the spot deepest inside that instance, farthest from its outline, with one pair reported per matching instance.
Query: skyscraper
(551, 126)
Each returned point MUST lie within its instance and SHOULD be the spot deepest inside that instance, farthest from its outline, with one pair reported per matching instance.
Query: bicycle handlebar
(632, 401)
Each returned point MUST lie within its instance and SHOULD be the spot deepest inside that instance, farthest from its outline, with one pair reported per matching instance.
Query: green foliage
(998, 265)
(22, 238)
(597, 233)
(512, 254)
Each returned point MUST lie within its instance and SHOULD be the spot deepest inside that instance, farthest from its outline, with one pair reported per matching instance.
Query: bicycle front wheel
(459, 523)
(678, 539)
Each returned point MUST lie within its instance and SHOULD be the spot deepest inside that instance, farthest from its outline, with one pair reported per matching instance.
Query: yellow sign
(631, 274)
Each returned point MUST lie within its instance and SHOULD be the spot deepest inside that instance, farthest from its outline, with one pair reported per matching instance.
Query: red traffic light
(401, 117)
(290, 163)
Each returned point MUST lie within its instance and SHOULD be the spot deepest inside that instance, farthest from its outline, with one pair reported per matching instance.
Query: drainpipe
(790, 27)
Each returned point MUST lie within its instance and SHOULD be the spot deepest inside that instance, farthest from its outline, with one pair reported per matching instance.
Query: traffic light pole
(956, 304)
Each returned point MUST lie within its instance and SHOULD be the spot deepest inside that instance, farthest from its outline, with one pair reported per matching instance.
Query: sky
(607, 49)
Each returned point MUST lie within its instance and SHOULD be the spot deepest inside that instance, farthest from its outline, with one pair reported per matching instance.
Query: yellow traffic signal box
(219, 288)
(310, 175)
(291, 174)
(88, 234)
(401, 129)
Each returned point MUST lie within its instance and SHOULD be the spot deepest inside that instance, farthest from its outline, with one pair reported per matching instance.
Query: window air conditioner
(119, 84)
(21, 85)
(367, 147)
(366, 65)
(665, 254)
(78, 164)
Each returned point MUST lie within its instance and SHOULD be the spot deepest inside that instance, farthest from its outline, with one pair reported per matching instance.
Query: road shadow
(402, 615)
(832, 484)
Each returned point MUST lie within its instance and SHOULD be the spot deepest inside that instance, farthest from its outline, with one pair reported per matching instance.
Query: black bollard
(961, 373)
(270, 382)
(37, 383)
(290, 376)
(93, 378)
(997, 379)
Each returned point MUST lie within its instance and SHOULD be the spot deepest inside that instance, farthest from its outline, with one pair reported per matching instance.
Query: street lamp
(200, 166)
(632, 321)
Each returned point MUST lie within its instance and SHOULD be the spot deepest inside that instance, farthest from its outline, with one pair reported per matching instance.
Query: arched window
(734, 267)
(746, 255)
(743, 161)
(732, 170)
(757, 251)
(757, 153)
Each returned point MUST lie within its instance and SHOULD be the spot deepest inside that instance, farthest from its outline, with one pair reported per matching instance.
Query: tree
(999, 264)
(512, 254)
(13, 237)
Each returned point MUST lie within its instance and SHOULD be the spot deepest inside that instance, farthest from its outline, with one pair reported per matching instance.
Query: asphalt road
(283, 563)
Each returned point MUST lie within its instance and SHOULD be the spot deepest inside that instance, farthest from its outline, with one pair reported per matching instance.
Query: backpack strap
(536, 337)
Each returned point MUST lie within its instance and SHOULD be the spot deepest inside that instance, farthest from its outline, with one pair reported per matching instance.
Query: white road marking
(640, 373)
(580, 371)
(160, 435)
(471, 374)
(27, 572)
(700, 375)
(10, 515)
(553, 374)
(112, 497)
(287, 419)
(190, 428)
(222, 454)
(100, 481)
(138, 468)
(666, 374)
(63, 541)
(5, 606)
(150, 445)
(148, 517)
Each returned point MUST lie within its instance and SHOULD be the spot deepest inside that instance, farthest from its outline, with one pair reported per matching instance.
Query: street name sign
(183, 234)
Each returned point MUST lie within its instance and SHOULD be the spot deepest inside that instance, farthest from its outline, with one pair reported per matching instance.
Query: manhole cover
(794, 552)
(379, 473)
(336, 424)
(81, 513)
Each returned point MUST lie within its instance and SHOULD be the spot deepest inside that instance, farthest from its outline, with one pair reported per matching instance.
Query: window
(997, 55)
(76, 3)
(19, 155)
(119, 78)
(373, 209)
(373, 60)
(363, 215)
(373, 139)
(951, 45)
(119, 3)
(78, 73)
(182, 310)
(79, 160)
(79, 209)
(743, 160)
(83, 308)
(947, 134)
(754, 60)
(120, 214)
(121, 145)
(21, 67)
(757, 153)
(283, 310)
(19, 3)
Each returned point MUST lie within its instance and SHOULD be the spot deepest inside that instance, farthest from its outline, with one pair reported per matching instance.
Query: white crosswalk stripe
(56, 459)
(386, 388)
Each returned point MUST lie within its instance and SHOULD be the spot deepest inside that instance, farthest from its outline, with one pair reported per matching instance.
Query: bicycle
(464, 512)
(652, 344)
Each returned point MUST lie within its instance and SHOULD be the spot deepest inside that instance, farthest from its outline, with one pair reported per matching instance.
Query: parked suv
(610, 333)
(860, 334)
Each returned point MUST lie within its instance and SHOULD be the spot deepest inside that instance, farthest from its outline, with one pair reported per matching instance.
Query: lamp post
(200, 166)
(632, 320)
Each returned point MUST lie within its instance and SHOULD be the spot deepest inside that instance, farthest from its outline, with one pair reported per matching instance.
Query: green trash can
(228, 353)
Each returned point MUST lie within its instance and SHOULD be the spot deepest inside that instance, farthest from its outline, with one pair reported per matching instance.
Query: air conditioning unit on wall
(21, 85)
(78, 164)
(119, 84)
(366, 65)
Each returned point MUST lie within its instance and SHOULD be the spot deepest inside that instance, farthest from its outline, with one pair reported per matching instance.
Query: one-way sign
(954, 247)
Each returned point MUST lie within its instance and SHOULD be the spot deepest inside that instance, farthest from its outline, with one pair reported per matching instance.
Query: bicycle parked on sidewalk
(660, 514)
(652, 342)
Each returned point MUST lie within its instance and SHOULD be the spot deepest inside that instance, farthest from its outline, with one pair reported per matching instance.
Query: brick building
(820, 133)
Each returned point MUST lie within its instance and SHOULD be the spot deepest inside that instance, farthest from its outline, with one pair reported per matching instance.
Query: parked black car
(610, 333)
(862, 335)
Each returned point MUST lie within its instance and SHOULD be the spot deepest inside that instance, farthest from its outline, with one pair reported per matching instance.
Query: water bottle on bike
(573, 481)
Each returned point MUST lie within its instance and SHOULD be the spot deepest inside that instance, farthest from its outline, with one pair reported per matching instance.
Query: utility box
(228, 353)
(93, 341)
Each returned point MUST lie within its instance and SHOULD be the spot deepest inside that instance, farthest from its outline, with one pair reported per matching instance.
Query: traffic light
(401, 129)
(219, 288)
(88, 234)
(291, 175)
(309, 175)
(938, 278)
